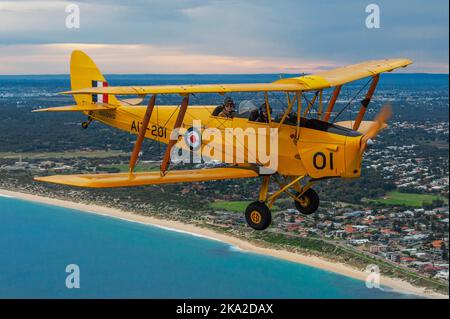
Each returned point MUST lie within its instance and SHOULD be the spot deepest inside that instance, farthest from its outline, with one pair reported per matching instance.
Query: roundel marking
(193, 138)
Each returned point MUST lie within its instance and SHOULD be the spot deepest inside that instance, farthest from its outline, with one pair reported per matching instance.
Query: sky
(227, 36)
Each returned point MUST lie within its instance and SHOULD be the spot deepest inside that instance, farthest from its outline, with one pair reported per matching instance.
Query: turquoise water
(120, 259)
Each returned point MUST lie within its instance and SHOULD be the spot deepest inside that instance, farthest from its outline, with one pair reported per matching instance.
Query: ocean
(122, 259)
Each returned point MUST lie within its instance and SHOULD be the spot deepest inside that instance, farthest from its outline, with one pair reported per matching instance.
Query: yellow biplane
(310, 146)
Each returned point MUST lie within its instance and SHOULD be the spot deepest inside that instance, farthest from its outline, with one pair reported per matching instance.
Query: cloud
(143, 58)
(278, 31)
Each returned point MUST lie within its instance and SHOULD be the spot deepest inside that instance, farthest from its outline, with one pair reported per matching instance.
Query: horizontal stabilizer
(135, 101)
(76, 108)
(363, 127)
(148, 178)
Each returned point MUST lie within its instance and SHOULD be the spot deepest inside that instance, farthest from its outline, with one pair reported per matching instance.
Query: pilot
(228, 108)
(260, 115)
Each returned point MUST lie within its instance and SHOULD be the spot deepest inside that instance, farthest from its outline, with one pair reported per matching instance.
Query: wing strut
(366, 101)
(173, 139)
(142, 131)
(311, 103)
(330, 107)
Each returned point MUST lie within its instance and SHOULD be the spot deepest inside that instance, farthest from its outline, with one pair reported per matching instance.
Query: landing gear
(85, 125)
(308, 202)
(258, 215)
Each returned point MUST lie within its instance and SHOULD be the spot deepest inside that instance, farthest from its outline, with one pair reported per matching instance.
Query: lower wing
(149, 178)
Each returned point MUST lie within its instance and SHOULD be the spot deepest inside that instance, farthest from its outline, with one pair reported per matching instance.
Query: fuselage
(317, 149)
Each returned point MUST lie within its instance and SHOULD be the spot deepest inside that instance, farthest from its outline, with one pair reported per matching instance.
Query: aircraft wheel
(258, 216)
(309, 202)
(85, 125)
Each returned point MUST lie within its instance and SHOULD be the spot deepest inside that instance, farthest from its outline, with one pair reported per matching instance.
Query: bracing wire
(350, 102)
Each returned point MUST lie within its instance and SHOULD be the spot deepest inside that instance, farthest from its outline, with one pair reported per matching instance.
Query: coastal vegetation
(126, 167)
(409, 199)
(233, 206)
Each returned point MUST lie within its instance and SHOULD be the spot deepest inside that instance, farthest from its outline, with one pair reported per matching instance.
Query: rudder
(85, 74)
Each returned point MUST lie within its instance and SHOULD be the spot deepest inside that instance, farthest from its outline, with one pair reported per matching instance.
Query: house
(442, 274)
(374, 249)
(358, 241)
(437, 244)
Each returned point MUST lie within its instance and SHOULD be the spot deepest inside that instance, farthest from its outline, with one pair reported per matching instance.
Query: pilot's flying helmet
(228, 100)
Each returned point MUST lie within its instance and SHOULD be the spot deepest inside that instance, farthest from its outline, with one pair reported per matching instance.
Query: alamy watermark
(73, 17)
(373, 19)
(73, 279)
(373, 277)
(252, 145)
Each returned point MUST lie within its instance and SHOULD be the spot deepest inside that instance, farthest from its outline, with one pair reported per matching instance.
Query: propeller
(377, 126)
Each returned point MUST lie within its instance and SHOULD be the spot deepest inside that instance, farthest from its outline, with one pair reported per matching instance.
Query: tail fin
(85, 74)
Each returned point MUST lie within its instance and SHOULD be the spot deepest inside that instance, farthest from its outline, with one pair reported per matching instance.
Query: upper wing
(149, 178)
(351, 73)
(317, 81)
(185, 89)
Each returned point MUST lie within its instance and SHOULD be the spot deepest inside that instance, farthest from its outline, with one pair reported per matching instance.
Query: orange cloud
(129, 58)
(142, 58)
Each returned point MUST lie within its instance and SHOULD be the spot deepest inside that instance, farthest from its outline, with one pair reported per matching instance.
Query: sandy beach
(395, 284)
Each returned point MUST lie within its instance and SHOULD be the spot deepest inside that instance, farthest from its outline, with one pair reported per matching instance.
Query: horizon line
(206, 74)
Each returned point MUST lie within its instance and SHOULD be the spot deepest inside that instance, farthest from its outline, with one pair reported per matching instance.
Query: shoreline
(396, 285)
